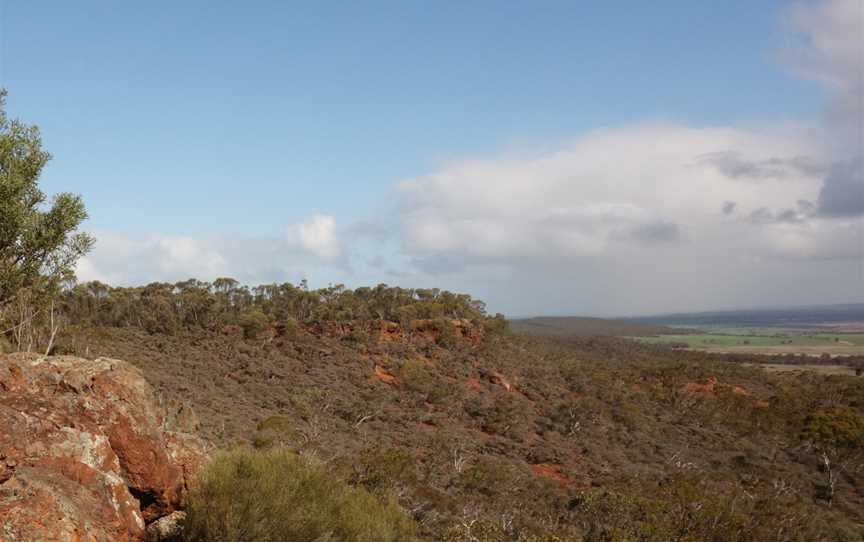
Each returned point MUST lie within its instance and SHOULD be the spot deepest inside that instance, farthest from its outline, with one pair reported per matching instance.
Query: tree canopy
(39, 241)
(194, 304)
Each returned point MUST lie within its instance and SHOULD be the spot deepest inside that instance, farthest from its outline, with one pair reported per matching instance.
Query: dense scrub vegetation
(516, 439)
(193, 304)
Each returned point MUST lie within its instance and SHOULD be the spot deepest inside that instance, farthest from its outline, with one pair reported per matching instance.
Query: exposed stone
(713, 388)
(83, 454)
(166, 529)
(179, 416)
(188, 452)
(382, 375)
(421, 330)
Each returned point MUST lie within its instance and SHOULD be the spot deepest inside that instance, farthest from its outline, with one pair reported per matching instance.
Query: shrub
(689, 508)
(292, 328)
(253, 322)
(417, 378)
(496, 324)
(359, 335)
(383, 470)
(276, 495)
(495, 530)
(838, 427)
(275, 430)
(447, 332)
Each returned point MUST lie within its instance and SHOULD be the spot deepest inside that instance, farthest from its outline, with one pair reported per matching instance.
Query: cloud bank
(308, 247)
(676, 217)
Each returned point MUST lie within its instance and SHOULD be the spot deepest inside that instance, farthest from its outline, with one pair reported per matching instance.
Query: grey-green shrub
(276, 495)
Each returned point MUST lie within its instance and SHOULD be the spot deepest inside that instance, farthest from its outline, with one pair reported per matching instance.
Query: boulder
(166, 529)
(83, 451)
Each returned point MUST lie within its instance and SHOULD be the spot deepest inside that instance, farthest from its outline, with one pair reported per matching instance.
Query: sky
(602, 158)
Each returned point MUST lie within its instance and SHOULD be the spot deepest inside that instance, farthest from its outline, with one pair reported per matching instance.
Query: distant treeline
(193, 304)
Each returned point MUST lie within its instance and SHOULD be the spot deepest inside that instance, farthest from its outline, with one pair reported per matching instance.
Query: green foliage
(489, 530)
(276, 495)
(446, 330)
(253, 322)
(39, 242)
(419, 379)
(192, 304)
(38, 245)
(835, 427)
(496, 324)
(382, 471)
(292, 328)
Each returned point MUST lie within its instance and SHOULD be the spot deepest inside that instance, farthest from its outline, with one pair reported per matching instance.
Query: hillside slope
(552, 436)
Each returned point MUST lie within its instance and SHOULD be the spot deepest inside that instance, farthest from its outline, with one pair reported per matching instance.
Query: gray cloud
(761, 215)
(626, 235)
(733, 165)
(661, 230)
(802, 213)
(826, 46)
(842, 193)
(374, 229)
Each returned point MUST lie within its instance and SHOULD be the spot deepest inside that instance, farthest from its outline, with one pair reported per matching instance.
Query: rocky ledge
(87, 453)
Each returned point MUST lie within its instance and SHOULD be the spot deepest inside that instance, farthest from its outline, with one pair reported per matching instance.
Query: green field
(766, 340)
(821, 369)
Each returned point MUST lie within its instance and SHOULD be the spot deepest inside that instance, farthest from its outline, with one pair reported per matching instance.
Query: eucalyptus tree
(39, 237)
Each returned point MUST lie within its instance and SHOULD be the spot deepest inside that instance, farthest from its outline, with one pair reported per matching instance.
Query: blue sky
(200, 119)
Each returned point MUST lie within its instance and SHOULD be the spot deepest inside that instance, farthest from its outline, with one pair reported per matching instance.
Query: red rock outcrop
(84, 454)
(712, 388)
(424, 331)
(382, 375)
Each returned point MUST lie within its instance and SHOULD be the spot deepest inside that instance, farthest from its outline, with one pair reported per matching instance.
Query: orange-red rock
(384, 376)
(423, 330)
(83, 452)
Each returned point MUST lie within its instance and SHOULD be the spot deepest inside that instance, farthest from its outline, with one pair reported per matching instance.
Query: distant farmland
(766, 341)
(576, 326)
(835, 330)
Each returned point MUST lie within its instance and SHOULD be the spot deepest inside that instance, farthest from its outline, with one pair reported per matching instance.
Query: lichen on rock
(83, 451)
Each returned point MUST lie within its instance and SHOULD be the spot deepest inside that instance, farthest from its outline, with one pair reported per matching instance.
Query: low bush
(274, 431)
(253, 322)
(419, 379)
(276, 495)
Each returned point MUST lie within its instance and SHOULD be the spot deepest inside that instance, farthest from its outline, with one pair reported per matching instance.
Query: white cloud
(310, 247)
(828, 46)
(317, 236)
(815, 240)
(606, 191)
(632, 216)
(828, 41)
(654, 217)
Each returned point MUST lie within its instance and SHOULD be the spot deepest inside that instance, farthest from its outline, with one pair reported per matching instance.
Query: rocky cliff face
(416, 331)
(85, 451)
